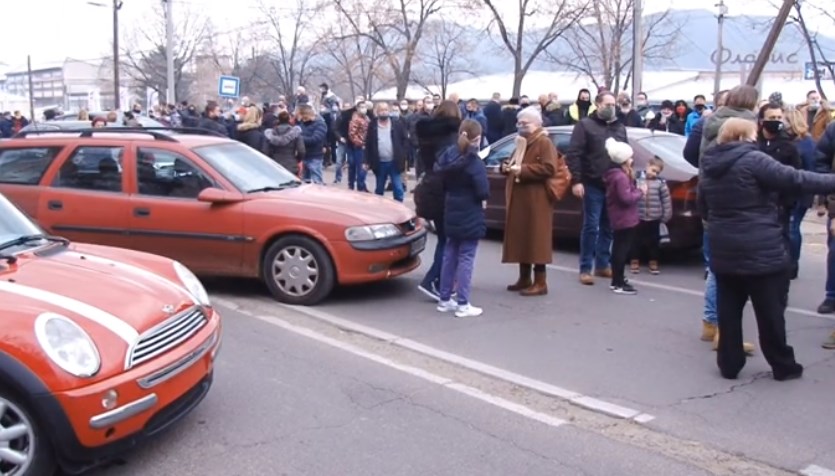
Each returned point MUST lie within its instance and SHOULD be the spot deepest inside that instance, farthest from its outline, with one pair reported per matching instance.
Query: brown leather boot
(540, 285)
(524, 281)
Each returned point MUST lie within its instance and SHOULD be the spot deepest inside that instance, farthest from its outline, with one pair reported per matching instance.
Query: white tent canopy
(659, 85)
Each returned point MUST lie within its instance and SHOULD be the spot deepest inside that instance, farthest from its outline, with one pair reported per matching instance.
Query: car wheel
(298, 270)
(24, 449)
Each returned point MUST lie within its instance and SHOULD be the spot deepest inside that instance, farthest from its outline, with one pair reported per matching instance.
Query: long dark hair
(448, 109)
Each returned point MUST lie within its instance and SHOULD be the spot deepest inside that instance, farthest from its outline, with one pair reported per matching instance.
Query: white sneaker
(448, 306)
(468, 310)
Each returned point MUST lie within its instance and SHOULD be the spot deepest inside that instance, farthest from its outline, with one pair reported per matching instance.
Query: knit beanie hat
(619, 152)
(776, 98)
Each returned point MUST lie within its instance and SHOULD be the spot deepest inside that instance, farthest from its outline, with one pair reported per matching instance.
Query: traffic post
(229, 87)
(823, 70)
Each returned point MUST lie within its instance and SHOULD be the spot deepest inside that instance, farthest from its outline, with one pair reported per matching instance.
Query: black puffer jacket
(586, 154)
(434, 136)
(738, 198)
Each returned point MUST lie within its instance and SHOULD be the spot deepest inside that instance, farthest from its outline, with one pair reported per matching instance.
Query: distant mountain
(695, 46)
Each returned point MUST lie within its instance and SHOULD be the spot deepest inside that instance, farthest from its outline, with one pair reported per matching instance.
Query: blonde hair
(83, 115)
(253, 115)
(736, 130)
(796, 121)
(468, 131)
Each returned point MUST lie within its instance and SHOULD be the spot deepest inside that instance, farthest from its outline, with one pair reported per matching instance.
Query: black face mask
(583, 102)
(773, 127)
(700, 107)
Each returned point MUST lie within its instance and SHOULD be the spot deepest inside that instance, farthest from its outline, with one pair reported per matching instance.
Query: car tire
(29, 441)
(298, 270)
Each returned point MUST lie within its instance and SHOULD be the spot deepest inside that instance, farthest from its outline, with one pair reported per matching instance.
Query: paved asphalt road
(579, 382)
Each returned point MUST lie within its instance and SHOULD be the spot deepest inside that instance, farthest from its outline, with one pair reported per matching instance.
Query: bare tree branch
(602, 50)
(528, 41)
(294, 47)
(447, 57)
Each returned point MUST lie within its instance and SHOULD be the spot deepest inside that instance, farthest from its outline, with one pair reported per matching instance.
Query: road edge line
(578, 399)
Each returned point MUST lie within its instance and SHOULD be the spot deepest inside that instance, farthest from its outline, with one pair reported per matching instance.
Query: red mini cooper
(99, 348)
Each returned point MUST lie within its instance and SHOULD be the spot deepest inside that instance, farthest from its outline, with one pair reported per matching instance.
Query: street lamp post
(169, 52)
(117, 5)
(720, 46)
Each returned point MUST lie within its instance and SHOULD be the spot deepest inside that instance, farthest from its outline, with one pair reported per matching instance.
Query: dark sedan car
(685, 227)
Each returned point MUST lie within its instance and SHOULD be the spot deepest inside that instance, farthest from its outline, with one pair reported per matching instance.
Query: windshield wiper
(274, 188)
(29, 238)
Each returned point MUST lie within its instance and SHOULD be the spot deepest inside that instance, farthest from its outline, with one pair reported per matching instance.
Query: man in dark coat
(212, 119)
(386, 150)
(493, 113)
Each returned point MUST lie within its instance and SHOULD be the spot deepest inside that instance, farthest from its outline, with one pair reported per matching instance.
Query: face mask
(383, 115)
(404, 107)
(362, 110)
(773, 127)
(524, 131)
(430, 106)
(584, 102)
(641, 103)
(815, 105)
(606, 113)
(681, 109)
(324, 91)
(700, 107)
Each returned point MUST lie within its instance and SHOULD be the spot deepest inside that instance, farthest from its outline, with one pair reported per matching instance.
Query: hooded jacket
(314, 134)
(465, 184)
(554, 115)
(577, 111)
(738, 198)
(622, 197)
(712, 124)
(586, 153)
(287, 145)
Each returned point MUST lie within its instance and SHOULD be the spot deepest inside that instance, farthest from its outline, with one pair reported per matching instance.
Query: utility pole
(31, 88)
(720, 46)
(171, 97)
(117, 100)
(637, 49)
(770, 42)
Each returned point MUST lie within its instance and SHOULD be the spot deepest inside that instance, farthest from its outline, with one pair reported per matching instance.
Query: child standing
(622, 197)
(655, 208)
(465, 188)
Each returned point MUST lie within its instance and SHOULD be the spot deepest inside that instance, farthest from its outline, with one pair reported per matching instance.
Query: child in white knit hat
(622, 197)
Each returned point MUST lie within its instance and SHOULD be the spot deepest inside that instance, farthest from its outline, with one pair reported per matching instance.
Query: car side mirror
(483, 153)
(216, 195)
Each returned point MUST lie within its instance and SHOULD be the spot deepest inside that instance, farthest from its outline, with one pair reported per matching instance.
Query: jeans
(434, 273)
(457, 269)
(313, 171)
(340, 159)
(356, 171)
(830, 262)
(388, 170)
(596, 237)
(621, 246)
(710, 314)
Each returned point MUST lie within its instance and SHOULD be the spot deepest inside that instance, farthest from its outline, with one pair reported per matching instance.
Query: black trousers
(647, 241)
(621, 247)
(768, 297)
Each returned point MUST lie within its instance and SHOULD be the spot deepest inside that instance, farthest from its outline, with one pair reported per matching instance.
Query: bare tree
(353, 63)
(527, 40)
(447, 57)
(234, 54)
(290, 30)
(144, 58)
(396, 31)
(602, 48)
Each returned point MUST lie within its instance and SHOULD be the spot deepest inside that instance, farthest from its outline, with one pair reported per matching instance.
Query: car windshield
(247, 169)
(670, 149)
(13, 223)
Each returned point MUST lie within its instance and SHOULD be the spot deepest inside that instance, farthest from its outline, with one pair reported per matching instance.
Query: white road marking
(110, 322)
(690, 292)
(544, 388)
(419, 373)
(815, 470)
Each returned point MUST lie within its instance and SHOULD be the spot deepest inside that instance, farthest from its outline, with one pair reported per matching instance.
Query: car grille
(167, 336)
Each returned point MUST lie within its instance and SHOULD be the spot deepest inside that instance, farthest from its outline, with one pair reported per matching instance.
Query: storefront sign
(729, 56)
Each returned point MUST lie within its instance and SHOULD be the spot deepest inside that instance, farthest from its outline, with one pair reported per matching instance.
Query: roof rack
(155, 132)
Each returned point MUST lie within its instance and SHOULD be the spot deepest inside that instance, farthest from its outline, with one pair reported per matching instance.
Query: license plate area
(417, 246)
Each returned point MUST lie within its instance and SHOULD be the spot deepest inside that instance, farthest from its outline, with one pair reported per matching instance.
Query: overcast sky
(51, 30)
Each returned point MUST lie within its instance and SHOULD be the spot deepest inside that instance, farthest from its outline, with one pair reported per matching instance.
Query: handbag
(559, 184)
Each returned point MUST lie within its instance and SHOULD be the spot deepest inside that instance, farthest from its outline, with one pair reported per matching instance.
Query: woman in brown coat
(530, 213)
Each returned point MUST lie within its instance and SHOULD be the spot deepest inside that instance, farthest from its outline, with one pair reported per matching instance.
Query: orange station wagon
(100, 348)
(214, 204)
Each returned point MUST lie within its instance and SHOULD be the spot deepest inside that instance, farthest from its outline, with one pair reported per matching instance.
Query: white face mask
(362, 110)
(430, 106)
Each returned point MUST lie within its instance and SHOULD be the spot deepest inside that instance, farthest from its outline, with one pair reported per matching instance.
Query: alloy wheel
(295, 271)
(17, 439)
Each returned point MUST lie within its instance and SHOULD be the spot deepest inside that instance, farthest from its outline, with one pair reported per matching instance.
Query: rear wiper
(274, 188)
(29, 238)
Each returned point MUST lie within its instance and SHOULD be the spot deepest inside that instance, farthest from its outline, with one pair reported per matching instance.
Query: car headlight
(192, 284)
(66, 343)
(371, 232)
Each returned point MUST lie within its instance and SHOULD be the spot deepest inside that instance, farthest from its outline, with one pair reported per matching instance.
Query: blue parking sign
(229, 87)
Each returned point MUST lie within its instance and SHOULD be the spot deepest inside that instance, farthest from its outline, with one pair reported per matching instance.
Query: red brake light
(684, 190)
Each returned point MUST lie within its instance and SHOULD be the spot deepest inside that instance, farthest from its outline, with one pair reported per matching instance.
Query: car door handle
(141, 212)
(55, 205)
